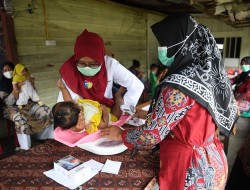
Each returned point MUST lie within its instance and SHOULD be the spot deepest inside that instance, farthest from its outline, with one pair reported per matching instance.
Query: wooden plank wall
(126, 32)
(122, 28)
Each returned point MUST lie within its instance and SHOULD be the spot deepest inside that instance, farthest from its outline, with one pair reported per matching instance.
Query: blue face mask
(162, 51)
(87, 71)
(245, 68)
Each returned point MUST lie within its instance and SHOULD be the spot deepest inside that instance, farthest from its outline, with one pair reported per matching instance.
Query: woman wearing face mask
(192, 100)
(31, 119)
(242, 87)
(90, 74)
(240, 175)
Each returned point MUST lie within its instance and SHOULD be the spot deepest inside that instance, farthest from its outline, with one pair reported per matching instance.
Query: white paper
(95, 168)
(94, 165)
(68, 183)
(111, 167)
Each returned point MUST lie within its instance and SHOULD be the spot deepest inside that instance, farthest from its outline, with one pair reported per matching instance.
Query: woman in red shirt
(192, 101)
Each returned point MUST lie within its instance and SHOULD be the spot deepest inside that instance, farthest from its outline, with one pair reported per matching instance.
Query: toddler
(84, 114)
(23, 83)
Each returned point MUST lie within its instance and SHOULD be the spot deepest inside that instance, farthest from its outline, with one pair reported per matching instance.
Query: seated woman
(84, 114)
(242, 86)
(31, 119)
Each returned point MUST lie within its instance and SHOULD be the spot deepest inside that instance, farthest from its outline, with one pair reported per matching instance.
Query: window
(229, 47)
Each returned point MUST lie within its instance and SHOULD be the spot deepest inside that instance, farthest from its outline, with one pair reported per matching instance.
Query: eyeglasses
(92, 65)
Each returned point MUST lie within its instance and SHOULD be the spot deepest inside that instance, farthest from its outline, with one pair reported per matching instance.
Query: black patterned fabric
(197, 70)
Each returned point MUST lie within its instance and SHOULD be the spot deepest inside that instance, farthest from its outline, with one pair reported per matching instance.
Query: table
(25, 169)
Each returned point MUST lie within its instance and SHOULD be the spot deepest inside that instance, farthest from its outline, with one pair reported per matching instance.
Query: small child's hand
(60, 84)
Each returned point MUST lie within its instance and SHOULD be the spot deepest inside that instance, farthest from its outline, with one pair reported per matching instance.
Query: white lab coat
(117, 73)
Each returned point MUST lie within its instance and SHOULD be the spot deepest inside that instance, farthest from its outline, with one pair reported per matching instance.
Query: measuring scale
(94, 142)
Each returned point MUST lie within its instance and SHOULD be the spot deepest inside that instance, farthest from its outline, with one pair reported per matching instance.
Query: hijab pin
(87, 84)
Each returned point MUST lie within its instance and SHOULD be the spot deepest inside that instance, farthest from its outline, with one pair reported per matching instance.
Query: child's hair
(65, 114)
(153, 66)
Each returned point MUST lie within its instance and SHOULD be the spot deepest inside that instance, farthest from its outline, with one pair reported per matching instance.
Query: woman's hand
(15, 94)
(105, 117)
(140, 113)
(112, 132)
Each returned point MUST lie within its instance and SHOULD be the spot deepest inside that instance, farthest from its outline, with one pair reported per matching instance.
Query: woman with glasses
(90, 74)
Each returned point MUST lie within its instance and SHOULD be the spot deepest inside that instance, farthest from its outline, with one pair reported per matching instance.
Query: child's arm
(65, 92)
(105, 117)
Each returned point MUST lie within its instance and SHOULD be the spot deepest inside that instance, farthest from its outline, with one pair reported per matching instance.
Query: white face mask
(8, 74)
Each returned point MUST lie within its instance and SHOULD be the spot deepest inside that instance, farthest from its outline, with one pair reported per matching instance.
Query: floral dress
(191, 156)
(31, 119)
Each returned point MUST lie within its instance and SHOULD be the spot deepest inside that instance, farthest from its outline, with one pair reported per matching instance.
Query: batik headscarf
(88, 44)
(197, 69)
(17, 74)
(244, 75)
(5, 83)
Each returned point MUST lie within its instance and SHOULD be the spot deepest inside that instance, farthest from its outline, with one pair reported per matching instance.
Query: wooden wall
(123, 29)
(126, 32)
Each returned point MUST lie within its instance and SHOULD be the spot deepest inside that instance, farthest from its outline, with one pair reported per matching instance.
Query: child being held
(23, 83)
(84, 114)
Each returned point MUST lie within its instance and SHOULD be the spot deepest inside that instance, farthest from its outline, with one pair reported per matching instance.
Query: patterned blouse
(191, 157)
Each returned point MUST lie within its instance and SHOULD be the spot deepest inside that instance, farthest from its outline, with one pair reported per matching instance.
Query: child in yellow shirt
(84, 114)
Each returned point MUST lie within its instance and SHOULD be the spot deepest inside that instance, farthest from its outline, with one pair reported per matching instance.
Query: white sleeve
(125, 78)
(74, 96)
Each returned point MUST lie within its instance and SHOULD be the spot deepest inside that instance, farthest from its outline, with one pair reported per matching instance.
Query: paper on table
(112, 167)
(95, 168)
(67, 183)
(94, 164)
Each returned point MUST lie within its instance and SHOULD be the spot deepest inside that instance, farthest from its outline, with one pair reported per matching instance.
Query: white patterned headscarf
(197, 70)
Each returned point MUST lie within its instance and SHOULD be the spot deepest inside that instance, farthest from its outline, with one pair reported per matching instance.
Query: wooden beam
(9, 37)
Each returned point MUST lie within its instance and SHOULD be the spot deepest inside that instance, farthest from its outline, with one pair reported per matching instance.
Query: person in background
(31, 119)
(135, 69)
(161, 72)
(90, 74)
(153, 78)
(192, 100)
(23, 83)
(242, 86)
(240, 175)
